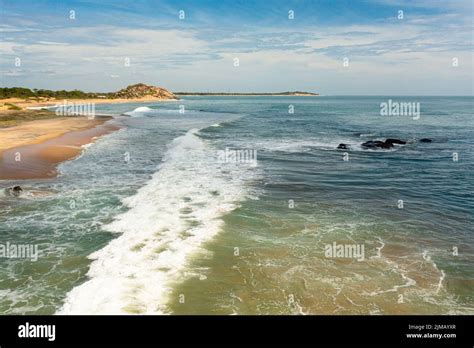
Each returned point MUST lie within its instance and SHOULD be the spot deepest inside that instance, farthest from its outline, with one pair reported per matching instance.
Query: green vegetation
(16, 92)
(24, 93)
(14, 118)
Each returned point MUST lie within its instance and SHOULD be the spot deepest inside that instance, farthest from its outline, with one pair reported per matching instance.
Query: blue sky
(385, 54)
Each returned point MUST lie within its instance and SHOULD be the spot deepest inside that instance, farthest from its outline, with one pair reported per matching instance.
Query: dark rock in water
(343, 147)
(387, 144)
(395, 141)
(15, 190)
(374, 144)
(425, 140)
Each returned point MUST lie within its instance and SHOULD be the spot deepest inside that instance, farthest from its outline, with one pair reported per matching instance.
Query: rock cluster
(141, 90)
(378, 144)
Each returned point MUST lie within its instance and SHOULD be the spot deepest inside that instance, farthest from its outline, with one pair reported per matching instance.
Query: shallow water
(149, 220)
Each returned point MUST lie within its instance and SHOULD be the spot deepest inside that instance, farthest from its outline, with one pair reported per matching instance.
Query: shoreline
(36, 142)
(32, 148)
(36, 148)
(38, 105)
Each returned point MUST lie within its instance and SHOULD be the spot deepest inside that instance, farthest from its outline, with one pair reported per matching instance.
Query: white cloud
(87, 57)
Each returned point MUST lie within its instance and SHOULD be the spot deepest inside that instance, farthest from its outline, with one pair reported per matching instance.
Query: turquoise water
(151, 220)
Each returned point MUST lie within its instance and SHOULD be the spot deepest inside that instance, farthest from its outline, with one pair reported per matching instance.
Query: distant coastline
(295, 94)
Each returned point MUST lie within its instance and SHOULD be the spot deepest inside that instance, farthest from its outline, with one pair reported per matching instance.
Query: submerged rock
(395, 141)
(376, 144)
(387, 144)
(343, 146)
(425, 140)
(15, 191)
(27, 192)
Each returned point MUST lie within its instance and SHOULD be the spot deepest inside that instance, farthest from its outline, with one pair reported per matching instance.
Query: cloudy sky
(88, 44)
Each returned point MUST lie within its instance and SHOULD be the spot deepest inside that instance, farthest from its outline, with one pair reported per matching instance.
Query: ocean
(244, 205)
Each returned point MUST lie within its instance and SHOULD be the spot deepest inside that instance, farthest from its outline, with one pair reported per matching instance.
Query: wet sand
(34, 149)
(38, 131)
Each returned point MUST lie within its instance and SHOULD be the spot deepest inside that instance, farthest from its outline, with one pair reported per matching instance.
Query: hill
(141, 90)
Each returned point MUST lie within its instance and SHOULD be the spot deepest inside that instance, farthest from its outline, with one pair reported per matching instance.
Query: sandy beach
(33, 149)
(33, 140)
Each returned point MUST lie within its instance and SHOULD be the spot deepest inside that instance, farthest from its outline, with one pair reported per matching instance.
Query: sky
(332, 47)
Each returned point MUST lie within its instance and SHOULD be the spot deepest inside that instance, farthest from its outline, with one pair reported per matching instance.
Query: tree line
(20, 92)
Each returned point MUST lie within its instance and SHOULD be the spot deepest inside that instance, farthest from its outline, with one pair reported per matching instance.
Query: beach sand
(33, 141)
(33, 149)
(5, 104)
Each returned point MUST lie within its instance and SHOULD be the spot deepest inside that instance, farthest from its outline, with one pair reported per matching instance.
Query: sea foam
(168, 221)
(138, 111)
